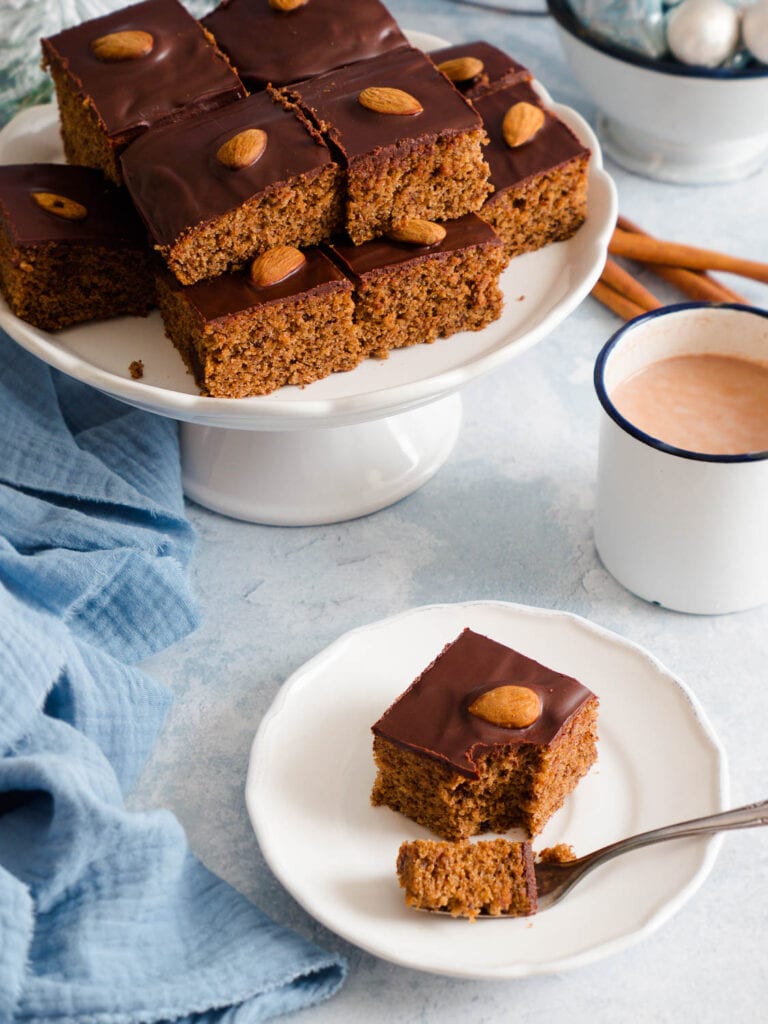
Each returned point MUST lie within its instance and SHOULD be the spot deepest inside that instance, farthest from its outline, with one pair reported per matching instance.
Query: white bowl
(665, 120)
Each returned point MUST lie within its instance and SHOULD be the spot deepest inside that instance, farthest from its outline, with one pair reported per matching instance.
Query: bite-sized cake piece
(492, 877)
(71, 247)
(538, 171)
(407, 293)
(270, 45)
(477, 68)
(141, 66)
(410, 142)
(285, 320)
(484, 740)
(218, 189)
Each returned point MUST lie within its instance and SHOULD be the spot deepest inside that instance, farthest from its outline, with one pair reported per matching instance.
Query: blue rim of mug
(564, 15)
(653, 442)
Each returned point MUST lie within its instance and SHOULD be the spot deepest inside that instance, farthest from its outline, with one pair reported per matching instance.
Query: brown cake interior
(83, 135)
(467, 879)
(518, 786)
(54, 285)
(439, 179)
(300, 212)
(407, 307)
(550, 207)
(258, 349)
(406, 294)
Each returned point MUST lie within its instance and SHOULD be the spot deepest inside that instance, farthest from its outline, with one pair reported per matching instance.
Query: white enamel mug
(681, 529)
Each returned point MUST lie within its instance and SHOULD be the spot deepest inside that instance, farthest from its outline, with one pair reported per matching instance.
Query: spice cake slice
(269, 45)
(485, 739)
(538, 171)
(410, 143)
(286, 320)
(220, 188)
(477, 68)
(71, 247)
(492, 877)
(407, 293)
(139, 67)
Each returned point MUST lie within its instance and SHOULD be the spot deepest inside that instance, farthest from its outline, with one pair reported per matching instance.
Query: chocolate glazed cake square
(410, 143)
(540, 184)
(493, 69)
(220, 188)
(142, 66)
(273, 46)
(406, 294)
(484, 740)
(239, 338)
(71, 247)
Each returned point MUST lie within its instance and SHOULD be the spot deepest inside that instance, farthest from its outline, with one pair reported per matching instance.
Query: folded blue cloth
(105, 917)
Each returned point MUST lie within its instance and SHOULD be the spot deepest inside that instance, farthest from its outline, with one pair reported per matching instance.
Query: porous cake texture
(494, 877)
(447, 762)
(410, 143)
(220, 188)
(139, 67)
(406, 294)
(71, 247)
(494, 68)
(540, 185)
(268, 45)
(241, 339)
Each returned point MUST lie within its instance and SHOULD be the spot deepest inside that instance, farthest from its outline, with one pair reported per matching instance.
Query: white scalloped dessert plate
(554, 281)
(311, 773)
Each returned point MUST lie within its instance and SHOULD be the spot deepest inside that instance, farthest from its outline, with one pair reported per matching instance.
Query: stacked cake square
(297, 187)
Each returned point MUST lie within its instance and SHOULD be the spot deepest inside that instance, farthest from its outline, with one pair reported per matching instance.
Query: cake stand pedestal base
(317, 475)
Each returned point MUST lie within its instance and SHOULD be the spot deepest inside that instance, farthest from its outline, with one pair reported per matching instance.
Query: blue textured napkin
(105, 917)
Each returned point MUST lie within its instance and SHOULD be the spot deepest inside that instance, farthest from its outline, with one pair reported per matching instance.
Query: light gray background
(508, 518)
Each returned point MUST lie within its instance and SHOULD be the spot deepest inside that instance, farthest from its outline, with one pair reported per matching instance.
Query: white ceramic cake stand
(345, 446)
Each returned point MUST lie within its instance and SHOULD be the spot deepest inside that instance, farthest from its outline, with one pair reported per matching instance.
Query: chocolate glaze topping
(234, 293)
(177, 181)
(432, 716)
(551, 147)
(381, 254)
(332, 101)
(110, 219)
(183, 72)
(499, 69)
(281, 47)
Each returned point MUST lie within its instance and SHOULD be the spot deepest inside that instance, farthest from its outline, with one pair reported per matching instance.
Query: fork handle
(749, 816)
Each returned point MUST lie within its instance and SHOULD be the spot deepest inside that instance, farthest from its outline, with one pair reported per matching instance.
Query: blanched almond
(521, 122)
(415, 231)
(60, 205)
(243, 149)
(511, 707)
(122, 46)
(276, 265)
(384, 100)
(461, 69)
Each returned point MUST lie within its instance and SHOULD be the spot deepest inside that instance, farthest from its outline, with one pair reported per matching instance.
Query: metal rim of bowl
(563, 14)
(629, 428)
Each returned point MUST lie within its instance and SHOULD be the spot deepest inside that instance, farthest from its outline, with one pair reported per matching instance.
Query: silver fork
(554, 881)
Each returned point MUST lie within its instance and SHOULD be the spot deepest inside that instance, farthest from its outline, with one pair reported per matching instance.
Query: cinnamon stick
(653, 250)
(620, 304)
(696, 284)
(621, 281)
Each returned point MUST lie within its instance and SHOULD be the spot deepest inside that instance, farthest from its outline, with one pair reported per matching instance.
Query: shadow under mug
(681, 529)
